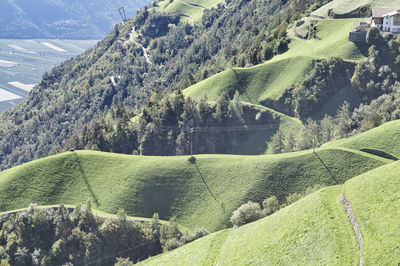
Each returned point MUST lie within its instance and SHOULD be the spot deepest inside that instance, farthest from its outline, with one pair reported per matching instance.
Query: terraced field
(30, 59)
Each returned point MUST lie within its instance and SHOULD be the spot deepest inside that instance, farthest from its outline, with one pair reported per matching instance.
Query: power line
(118, 253)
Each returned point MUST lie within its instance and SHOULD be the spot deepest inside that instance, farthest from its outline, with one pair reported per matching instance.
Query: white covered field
(23, 63)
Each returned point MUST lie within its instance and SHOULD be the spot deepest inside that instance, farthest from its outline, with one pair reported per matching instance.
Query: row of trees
(176, 125)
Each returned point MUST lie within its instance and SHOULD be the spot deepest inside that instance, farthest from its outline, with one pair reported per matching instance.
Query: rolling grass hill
(344, 6)
(313, 231)
(375, 197)
(255, 84)
(385, 138)
(171, 185)
(273, 78)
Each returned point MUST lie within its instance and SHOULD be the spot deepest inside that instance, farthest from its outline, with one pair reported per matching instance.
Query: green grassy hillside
(384, 138)
(266, 81)
(375, 199)
(171, 185)
(344, 6)
(189, 9)
(312, 231)
(272, 79)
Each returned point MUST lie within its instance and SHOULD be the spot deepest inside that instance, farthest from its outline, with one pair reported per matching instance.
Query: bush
(270, 205)
(171, 244)
(248, 212)
(200, 232)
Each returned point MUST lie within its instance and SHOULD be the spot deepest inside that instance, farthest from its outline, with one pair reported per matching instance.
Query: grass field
(255, 84)
(32, 58)
(190, 10)
(171, 185)
(272, 79)
(385, 138)
(375, 199)
(344, 6)
(313, 231)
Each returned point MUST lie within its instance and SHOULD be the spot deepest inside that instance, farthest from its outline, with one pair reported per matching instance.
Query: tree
(373, 36)
(276, 144)
(290, 144)
(343, 121)
(270, 205)
(248, 212)
(235, 109)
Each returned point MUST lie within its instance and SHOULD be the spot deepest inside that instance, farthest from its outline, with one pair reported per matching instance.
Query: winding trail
(353, 220)
(132, 39)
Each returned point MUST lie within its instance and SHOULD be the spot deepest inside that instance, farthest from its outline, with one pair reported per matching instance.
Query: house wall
(396, 20)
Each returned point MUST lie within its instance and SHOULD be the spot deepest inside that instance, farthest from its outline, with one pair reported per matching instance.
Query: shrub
(200, 232)
(246, 213)
(270, 205)
(171, 244)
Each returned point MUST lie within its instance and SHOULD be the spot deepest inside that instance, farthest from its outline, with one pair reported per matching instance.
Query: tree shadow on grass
(80, 169)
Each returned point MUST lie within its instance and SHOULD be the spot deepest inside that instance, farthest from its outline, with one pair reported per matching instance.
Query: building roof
(380, 12)
(396, 12)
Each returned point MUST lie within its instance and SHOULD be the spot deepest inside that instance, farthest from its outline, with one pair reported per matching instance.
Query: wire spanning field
(23, 63)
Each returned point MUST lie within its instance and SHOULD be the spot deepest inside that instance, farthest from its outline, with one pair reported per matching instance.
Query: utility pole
(121, 11)
(191, 140)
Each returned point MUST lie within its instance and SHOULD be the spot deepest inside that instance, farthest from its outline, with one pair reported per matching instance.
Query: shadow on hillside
(80, 169)
(363, 48)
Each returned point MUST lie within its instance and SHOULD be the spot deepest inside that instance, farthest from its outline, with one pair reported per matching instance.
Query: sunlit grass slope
(384, 138)
(344, 6)
(188, 8)
(255, 84)
(171, 185)
(375, 199)
(312, 231)
(272, 79)
(333, 40)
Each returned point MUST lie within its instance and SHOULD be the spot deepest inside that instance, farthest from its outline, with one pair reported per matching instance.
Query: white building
(386, 19)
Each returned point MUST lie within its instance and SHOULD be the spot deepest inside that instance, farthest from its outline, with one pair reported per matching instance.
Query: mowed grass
(273, 78)
(312, 231)
(333, 40)
(344, 6)
(192, 9)
(171, 185)
(375, 199)
(255, 84)
(384, 138)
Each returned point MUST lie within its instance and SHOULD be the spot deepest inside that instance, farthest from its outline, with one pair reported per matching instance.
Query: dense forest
(81, 90)
(116, 98)
(76, 236)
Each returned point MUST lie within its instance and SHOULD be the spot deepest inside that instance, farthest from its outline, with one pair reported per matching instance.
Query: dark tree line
(175, 125)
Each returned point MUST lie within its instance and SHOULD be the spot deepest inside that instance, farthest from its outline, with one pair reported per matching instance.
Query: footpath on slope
(353, 220)
(132, 39)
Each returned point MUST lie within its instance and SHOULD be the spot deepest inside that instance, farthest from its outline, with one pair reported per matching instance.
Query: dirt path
(132, 39)
(353, 220)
